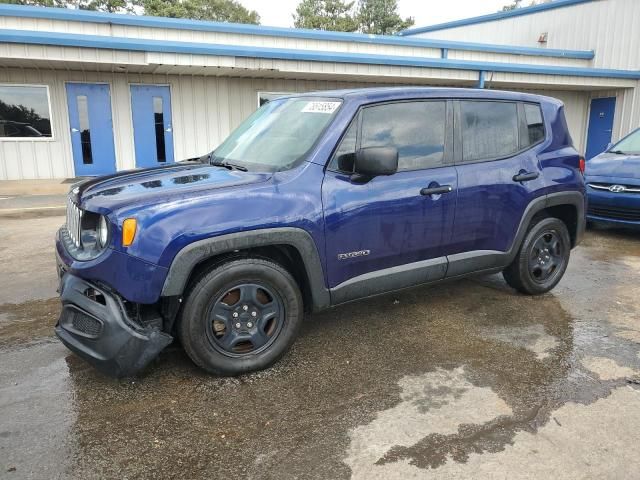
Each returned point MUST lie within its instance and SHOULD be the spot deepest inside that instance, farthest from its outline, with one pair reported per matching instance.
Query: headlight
(102, 232)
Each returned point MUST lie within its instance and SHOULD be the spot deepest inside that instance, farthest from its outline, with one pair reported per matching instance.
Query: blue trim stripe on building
(494, 16)
(144, 45)
(65, 14)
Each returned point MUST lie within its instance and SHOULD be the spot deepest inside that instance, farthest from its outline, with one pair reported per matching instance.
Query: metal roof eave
(163, 46)
(65, 14)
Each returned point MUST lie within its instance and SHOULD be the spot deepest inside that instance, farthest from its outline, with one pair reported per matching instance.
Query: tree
(112, 6)
(518, 3)
(512, 6)
(381, 17)
(217, 10)
(335, 15)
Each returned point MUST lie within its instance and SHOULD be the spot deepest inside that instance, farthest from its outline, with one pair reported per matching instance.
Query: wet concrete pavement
(462, 380)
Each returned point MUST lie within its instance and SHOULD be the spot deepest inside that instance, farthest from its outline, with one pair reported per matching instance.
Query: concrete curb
(33, 212)
(13, 188)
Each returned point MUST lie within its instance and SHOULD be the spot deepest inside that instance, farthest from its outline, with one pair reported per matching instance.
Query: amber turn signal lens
(128, 231)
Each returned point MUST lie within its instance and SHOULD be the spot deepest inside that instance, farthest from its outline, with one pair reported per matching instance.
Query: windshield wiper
(217, 162)
(618, 152)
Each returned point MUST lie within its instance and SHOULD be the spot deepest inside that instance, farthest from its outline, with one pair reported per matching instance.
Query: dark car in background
(613, 184)
(10, 128)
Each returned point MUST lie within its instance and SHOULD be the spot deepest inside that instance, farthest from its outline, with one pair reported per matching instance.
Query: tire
(535, 270)
(223, 337)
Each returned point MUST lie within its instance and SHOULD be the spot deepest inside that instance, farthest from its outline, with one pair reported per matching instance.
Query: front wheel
(542, 259)
(241, 316)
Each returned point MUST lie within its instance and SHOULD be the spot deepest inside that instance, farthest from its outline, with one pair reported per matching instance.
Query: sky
(278, 13)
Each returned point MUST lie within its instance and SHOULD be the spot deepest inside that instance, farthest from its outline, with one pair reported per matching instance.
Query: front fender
(194, 253)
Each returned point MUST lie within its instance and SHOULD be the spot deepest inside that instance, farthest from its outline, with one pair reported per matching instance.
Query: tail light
(582, 165)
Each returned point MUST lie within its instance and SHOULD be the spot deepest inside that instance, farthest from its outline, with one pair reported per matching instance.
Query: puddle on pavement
(436, 380)
(28, 322)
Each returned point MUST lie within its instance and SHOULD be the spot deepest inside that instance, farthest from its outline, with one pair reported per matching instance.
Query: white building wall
(609, 27)
(204, 111)
(212, 94)
(222, 38)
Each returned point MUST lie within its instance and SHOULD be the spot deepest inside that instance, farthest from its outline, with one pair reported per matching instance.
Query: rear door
(386, 222)
(498, 175)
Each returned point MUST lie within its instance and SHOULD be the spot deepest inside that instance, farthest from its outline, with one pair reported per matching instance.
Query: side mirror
(375, 161)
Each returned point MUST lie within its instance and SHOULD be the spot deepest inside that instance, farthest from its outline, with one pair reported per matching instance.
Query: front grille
(83, 323)
(616, 213)
(74, 222)
(607, 186)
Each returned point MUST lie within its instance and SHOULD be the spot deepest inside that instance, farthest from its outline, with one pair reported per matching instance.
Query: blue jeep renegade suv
(313, 201)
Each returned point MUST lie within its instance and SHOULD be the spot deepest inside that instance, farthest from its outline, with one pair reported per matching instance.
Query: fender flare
(461, 264)
(574, 198)
(187, 258)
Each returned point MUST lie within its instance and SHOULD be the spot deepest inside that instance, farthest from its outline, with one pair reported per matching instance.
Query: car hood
(159, 184)
(613, 165)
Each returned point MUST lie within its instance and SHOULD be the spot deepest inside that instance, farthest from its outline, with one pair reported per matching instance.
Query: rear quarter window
(534, 125)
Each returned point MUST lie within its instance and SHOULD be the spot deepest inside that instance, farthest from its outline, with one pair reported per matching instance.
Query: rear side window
(416, 129)
(534, 125)
(489, 130)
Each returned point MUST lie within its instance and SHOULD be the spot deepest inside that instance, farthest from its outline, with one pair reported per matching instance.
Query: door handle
(75, 130)
(525, 176)
(436, 190)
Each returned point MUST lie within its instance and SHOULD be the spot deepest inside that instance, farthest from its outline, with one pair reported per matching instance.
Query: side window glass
(535, 125)
(344, 156)
(489, 130)
(416, 129)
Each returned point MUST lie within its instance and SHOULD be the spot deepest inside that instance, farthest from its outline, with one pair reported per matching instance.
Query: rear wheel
(542, 259)
(241, 316)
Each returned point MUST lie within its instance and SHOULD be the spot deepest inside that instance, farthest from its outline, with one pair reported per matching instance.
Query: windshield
(278, 134)
(629, 144)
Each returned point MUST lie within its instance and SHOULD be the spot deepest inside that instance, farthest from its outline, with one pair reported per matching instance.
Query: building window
(264, 97)
(85, 129)
(158, 116)
(24, 111)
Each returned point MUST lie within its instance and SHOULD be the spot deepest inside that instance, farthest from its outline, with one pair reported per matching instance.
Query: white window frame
(52, 138)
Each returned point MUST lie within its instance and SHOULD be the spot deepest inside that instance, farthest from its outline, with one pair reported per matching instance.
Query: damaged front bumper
(94, 324)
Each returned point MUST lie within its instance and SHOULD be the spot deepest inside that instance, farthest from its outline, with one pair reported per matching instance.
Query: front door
(600, 125)
(91, 128)
(152, 127)
(389, 232)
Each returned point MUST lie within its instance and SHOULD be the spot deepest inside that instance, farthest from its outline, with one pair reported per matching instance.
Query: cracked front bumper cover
(97, 328)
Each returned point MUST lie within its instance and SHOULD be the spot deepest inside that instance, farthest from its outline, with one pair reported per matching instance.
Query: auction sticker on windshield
(320, 107)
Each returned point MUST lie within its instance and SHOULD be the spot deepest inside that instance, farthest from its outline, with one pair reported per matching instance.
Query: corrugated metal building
(610, 28)
(85, 93)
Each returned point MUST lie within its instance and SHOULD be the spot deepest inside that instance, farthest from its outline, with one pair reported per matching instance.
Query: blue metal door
(600, 125)
(91, 128)
(152, 128)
